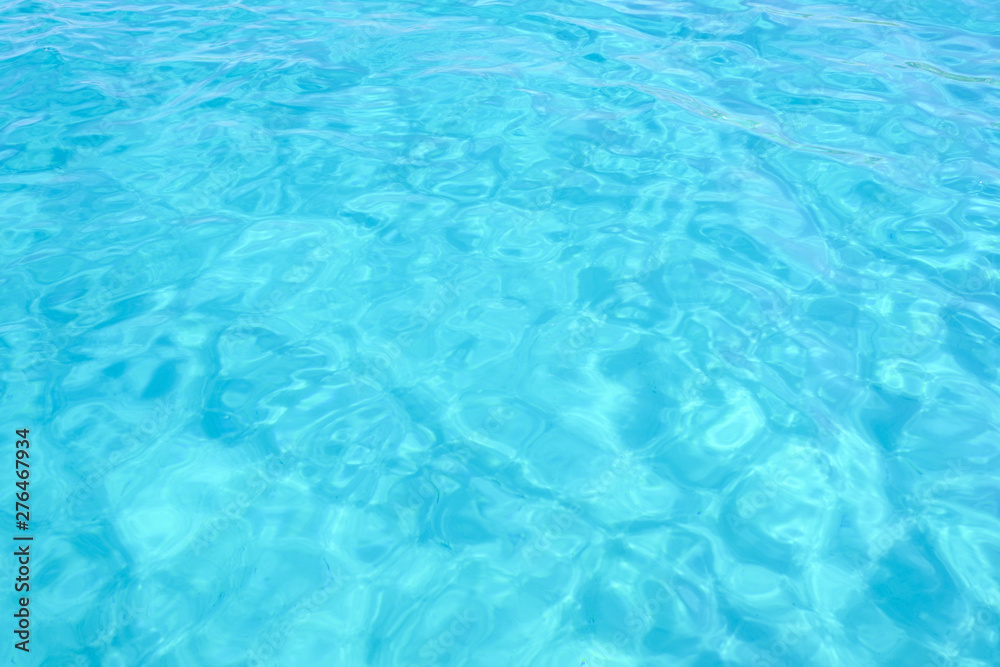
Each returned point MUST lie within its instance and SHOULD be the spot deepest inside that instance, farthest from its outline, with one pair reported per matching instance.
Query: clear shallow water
(547, 333)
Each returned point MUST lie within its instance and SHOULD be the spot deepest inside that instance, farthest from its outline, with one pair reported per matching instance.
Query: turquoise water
(547, 333)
